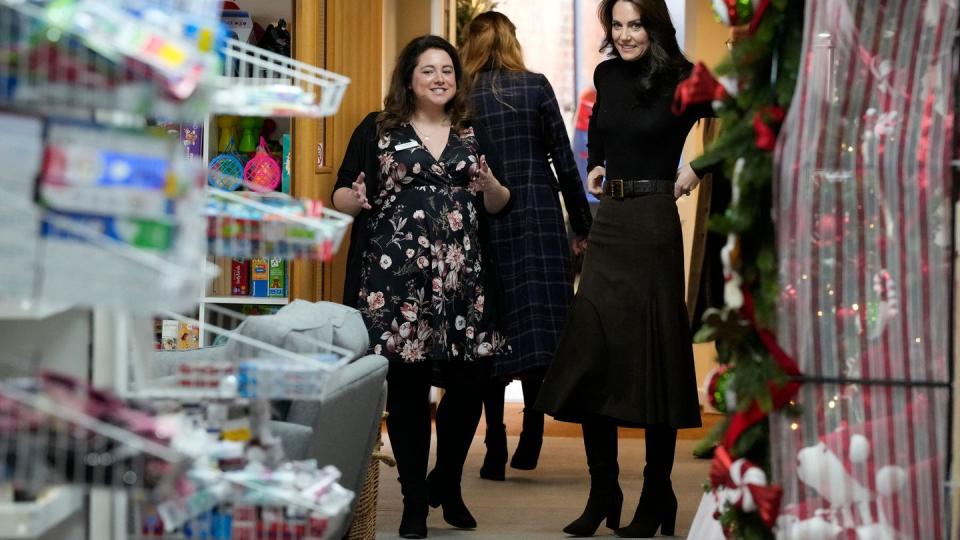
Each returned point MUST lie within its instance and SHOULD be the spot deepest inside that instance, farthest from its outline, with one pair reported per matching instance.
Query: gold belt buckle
(616, 189)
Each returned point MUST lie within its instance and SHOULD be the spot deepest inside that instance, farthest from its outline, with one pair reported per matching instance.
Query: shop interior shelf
(32, 520)
(261, 300)
(30, 310)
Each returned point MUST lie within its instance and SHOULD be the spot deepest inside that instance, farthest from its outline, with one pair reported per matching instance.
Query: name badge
(404, 146)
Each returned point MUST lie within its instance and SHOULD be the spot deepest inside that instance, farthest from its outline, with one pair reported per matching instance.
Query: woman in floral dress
(422, 181)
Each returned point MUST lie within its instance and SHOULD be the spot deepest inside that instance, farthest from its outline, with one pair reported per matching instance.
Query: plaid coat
(523, 119)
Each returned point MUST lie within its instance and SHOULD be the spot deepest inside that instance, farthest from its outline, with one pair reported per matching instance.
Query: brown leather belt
(623, 189)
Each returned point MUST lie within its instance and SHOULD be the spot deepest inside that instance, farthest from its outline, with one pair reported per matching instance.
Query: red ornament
(766, 125)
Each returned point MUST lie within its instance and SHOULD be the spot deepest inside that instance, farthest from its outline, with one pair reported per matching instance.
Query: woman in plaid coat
(523, 119)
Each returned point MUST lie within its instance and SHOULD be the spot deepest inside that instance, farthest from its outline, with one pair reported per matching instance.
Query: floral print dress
(421, 287)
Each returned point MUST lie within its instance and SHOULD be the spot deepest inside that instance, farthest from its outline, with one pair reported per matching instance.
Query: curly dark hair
(663, 63)
(400, 101)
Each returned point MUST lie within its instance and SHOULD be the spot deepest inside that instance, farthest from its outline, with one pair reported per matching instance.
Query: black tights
(408, 425)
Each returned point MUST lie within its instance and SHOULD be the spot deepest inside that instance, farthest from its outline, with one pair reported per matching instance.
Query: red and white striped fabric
(863, 216)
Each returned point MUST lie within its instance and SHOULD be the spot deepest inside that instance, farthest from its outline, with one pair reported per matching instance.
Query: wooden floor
(535, 505)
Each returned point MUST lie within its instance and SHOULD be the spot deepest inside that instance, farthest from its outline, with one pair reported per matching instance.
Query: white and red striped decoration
(863, 216)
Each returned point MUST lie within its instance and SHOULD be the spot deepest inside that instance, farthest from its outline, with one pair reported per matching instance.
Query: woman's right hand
(359, 191)
(595, 180)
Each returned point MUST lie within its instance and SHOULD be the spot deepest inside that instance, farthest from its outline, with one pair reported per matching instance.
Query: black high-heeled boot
(527, 454)
(604, 503)
(445, 493)
(657, 508)
(408, 426)
(457, 417)
(606, 499)
(413, 522)
(495, 461)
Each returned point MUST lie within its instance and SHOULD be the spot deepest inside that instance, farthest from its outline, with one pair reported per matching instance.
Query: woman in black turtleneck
(625, 357)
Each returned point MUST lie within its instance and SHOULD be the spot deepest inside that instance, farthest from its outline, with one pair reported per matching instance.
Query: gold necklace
(420, 133)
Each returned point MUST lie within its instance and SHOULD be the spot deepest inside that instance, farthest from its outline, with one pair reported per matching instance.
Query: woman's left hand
(484, 178)
(686, 182)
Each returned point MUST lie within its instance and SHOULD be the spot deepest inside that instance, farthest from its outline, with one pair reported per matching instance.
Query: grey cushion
(303, 327)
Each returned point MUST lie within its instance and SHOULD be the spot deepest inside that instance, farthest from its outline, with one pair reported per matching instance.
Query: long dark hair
(400, 101)
(663, 63)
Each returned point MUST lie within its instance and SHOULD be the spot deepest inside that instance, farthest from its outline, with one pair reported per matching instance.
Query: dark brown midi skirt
(626, 351)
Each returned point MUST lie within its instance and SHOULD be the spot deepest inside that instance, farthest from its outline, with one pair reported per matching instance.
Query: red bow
(720, 468)
(766, 497)
(766, 124)
(781, 395)
(758, 14)
(700, 87)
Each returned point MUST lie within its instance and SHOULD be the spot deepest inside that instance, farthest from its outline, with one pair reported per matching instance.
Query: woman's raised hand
(484, 178)
(595, 180)
(359, 190)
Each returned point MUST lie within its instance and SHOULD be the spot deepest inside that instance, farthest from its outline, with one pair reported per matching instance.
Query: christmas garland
(755, 377)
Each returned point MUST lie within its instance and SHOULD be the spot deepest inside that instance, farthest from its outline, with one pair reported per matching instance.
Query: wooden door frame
(333, 43)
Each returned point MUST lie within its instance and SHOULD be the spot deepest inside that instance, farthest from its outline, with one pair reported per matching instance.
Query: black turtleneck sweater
(638, 139)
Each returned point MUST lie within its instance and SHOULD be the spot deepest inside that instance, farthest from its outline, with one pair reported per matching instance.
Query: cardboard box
(239, 277)
(277, 275)
(259, 277)
(188, 336)
(168, 334)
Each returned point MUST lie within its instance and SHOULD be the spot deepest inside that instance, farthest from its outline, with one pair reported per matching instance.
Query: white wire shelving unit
(272, 225)
(120, 64)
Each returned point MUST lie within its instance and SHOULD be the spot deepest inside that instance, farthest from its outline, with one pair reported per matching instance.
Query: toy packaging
(277, 277)
(259, 277)
(240, 277)
(169, 330)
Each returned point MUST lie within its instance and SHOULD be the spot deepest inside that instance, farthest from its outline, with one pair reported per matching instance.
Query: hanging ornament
(735, 12)
(720, 393)
(880, 313)
(766, 125)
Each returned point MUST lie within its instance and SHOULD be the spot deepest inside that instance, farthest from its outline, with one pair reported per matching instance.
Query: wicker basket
(364, 525)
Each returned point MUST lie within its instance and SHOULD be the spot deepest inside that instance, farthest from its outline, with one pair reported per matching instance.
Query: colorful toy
(262, 172)
(228, 132)
(226, 170)
(248, 137)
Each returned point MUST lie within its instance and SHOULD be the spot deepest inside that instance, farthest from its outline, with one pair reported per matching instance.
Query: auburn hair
(400, 102)
(491, 45)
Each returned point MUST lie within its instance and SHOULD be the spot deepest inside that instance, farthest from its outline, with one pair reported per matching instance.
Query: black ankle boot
(604, 503)
(495, 461)
(413, 523)
(447, 494)
(657, 510)
(531, 441)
